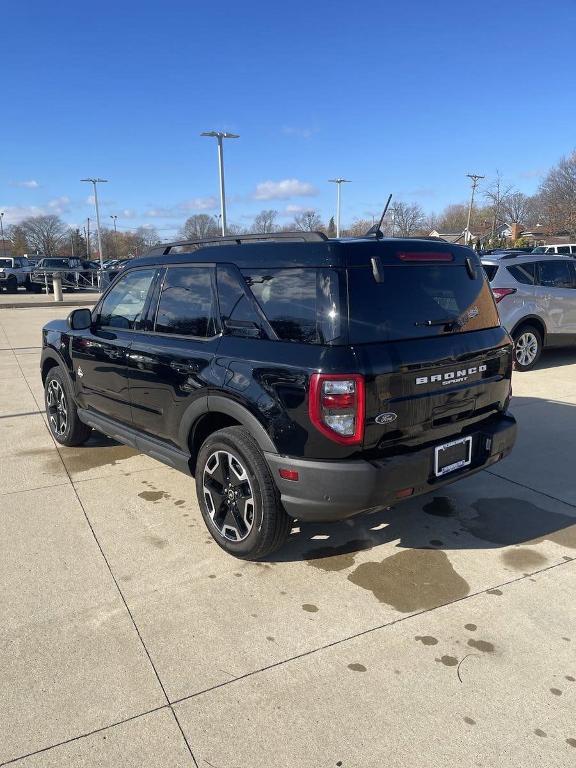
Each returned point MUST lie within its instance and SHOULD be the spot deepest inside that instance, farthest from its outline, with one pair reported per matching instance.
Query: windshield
(418, 301)
(5, 263)
(540, 249)
(55, 263)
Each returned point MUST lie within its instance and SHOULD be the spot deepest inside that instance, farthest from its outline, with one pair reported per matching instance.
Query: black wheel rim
(228, 495)
(56, 407)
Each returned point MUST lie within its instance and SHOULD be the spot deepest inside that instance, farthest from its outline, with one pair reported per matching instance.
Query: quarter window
(523, 273)
(186, 304)
(123, 307)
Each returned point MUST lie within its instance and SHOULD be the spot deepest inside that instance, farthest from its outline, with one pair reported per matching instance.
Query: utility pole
(475, 178)
(88, 239)
(221, 135)
(2, 233)
(94, 182)
(114, 217)
(338, 183)
(72, 241)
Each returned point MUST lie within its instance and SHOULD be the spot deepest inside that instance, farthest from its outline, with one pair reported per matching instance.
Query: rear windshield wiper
(451, 321)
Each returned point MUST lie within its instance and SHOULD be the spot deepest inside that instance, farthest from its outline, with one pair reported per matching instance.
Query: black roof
(288, 249)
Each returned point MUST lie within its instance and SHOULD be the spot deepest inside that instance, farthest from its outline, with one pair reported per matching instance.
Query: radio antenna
(375, 228)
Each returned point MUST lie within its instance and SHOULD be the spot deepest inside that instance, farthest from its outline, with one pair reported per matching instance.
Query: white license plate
(452, 456)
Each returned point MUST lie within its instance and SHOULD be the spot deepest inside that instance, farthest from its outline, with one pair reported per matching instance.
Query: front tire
(12, 284)
(238, 498)
(63, 422)
(527, 347)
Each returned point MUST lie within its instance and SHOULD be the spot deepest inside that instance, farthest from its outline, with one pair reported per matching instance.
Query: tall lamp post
(475, 178)
(94, 182)
(338, 183)
(2, 233)
(114, 217)
(221, 135)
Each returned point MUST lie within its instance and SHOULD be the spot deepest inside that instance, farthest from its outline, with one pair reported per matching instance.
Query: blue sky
(399, 97)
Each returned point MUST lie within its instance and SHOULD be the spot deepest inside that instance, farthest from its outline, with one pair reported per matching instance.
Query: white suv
(566, 249)
(536, 297)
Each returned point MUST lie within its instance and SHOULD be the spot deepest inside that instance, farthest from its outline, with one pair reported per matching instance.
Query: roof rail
(193, 245)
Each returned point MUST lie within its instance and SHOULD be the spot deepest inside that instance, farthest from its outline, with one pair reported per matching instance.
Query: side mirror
(79, 319)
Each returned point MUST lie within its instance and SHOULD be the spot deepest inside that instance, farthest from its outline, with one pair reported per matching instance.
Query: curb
(36, 304)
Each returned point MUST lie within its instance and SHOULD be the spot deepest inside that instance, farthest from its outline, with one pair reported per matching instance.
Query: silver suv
(536, 297)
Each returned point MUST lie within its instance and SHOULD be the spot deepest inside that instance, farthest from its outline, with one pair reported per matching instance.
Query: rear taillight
(336, 406)
(500, 293)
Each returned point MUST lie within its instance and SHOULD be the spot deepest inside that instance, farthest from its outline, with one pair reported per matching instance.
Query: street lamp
(2, 234)
(114, 217)
(95, 182)
(221, 135)
(338, 183)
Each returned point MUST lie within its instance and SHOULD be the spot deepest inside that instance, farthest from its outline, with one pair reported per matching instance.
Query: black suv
(294, 376)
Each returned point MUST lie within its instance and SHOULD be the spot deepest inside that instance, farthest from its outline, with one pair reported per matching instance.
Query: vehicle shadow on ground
(452, 517)
(556, 358)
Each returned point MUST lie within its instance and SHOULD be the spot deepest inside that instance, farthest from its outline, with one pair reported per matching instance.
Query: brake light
(336, 406)
(500, 293)
(425, 256)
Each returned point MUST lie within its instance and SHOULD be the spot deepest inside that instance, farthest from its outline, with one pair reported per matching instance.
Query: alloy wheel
(57, 408)
(228, 495)
(526, 348)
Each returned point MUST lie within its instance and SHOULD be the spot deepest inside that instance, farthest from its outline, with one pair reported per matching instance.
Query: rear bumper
(333, 490)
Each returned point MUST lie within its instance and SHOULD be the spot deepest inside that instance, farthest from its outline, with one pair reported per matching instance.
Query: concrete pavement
(439, 633)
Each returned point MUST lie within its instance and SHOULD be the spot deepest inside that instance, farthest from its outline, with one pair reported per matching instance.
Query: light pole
(221, 135)
(114, 217)
(475, 179)
(2, 233)
(94, 182)
(338, 183)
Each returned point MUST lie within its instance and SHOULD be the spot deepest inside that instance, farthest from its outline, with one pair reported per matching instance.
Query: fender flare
(219, 404)
(50, 354)
(526, 321)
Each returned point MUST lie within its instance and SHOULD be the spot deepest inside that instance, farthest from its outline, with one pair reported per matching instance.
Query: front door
(99, 355)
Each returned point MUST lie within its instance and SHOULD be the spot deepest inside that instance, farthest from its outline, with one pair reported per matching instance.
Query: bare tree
(17, 236)
(358, 228)
(409, 218)
(307, 221)
(265, 221)
(199, 226)
(44, 234)
(520, 208)
(497, 194)
(558, 196)
(453, 218)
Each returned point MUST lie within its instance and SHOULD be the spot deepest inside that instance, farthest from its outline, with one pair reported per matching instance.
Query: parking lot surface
(442, 632)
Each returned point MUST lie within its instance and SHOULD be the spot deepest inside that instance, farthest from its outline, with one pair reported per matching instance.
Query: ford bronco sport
(292, 375)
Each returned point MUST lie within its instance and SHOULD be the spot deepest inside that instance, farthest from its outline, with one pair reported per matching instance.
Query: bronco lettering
(452, 377)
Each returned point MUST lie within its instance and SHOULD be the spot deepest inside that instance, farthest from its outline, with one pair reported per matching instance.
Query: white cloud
(200, 204)
(31, 184)
(282, 190)
(182, 209)
(13, 214)
(90, 200)
(59, 204)
(302, 133)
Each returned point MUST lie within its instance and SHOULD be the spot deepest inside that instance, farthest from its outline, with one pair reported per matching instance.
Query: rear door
(556, 295)
(428, 339)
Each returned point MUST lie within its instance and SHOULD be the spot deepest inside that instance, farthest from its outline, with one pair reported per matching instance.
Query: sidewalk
(23, 300)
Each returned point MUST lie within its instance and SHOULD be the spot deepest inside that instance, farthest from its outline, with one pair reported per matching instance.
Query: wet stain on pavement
(426, 639)
(271, 639)
(310, 608)
(337, 558)
(448, 661)
(157, 541)
(522, 558)
(497, 592)
(441, 506)
(540, 732)
(470, 627)
(482, 645)
(411, 580)
(556, 691)
(570, 678)
(469, 721)
(152, 495)
(571, 742)
(357, 667)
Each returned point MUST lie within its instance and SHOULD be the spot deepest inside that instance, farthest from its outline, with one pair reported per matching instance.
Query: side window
(556, 274)
(563, 249)
(236, 309)
(523, 273)
(124, 305)
(186, 304)
(550, 249)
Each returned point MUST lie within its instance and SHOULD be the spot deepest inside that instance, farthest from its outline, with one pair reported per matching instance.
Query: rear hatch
(428, 339)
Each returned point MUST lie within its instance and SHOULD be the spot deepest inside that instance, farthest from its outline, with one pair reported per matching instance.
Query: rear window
(523, 273)
(490, 270)
(301, 304)
(418, 301)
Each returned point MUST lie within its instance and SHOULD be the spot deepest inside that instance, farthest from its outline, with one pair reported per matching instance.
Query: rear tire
(12, 284)
(527, 347)
(63, 422)
(238, 498)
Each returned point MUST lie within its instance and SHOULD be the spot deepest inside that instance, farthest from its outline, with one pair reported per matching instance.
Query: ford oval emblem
(386, 418)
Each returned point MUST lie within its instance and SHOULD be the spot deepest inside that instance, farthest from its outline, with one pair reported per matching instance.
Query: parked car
(292, 375)
(566, 249)
(14, 272)
(536, 297)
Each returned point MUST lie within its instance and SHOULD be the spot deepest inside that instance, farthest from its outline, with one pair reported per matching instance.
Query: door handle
(182, 367)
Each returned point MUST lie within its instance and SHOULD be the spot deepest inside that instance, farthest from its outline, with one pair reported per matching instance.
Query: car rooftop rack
(194, 245)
